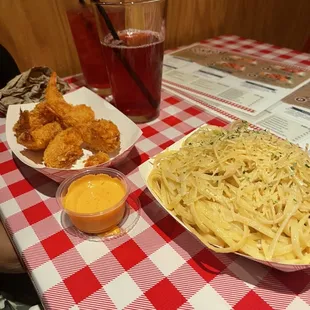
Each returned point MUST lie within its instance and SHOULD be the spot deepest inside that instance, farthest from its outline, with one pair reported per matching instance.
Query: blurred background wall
(37, 32)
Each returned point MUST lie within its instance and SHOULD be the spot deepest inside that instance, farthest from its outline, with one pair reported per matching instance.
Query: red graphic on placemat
(228, 66)
(251, 61)
(204, 51)
(292, 70)
(276, 77)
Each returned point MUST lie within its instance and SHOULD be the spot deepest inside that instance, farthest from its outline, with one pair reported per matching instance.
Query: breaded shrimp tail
(23, 123)
(54, 99)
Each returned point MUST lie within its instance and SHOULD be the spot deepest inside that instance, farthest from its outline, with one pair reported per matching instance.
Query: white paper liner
(130, 133)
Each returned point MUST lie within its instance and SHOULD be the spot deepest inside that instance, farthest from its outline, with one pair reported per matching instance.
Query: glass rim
(125, 2)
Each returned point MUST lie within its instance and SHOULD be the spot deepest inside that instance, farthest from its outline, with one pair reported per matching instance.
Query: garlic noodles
(239, 190)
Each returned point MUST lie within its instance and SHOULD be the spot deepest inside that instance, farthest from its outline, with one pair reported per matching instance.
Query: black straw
(124, 61)
(108, 22)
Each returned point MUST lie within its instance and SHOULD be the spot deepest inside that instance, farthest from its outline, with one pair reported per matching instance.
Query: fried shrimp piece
(68, 115)
(101, 135)
(54, 99)
(34, 119)
(96, 159)
(39, 139)
(79, 114)
(64, 149)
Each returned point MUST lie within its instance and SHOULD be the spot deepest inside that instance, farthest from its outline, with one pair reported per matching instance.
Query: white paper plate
(129, 131)
(145, 170)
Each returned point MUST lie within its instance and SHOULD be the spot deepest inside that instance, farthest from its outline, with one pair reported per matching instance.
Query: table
(158, 264)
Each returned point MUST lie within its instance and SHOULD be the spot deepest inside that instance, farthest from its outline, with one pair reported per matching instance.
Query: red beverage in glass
(143, 51)
(84, 31)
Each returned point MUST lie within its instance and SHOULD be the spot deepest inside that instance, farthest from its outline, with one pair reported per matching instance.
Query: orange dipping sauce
(95, 202)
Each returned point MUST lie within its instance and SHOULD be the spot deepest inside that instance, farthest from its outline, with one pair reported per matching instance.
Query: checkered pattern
(261, 50)
(158, 264)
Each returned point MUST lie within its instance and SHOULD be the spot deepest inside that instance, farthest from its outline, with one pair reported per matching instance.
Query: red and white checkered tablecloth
(158, 265)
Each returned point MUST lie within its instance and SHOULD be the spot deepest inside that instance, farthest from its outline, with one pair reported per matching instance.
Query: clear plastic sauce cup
(82, 188)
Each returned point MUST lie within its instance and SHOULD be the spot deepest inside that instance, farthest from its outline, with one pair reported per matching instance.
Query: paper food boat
(145, 170)
(129, 134)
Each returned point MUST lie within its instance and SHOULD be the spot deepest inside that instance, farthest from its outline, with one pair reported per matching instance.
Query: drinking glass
(84, 31)
(133, 54)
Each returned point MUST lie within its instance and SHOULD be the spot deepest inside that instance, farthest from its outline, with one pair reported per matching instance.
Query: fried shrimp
(96, 159)
(62, 129)
(101, 135)
(39, 139)
(32, 120)
(64, 149)
(67, 114)
(79, 114)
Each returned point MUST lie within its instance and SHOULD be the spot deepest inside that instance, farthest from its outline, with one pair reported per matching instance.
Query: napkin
(27, 87)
